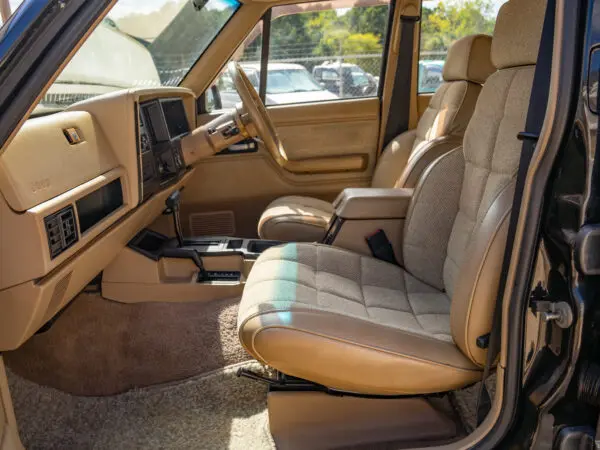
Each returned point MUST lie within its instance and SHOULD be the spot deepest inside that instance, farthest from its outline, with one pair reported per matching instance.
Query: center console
(156, 268)
(156, 246)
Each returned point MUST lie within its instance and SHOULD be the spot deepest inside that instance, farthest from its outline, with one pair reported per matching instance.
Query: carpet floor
(109, 375)
(214, 411)
(100, 347)
(465, 402)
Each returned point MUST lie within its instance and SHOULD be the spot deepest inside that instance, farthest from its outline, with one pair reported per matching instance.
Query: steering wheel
(257, 113)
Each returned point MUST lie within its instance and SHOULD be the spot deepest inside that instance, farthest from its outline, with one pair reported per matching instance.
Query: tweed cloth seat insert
(318, 277)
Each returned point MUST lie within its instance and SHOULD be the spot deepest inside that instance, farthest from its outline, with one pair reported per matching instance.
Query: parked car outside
(430, 76)
(356, 82)
(286, 83)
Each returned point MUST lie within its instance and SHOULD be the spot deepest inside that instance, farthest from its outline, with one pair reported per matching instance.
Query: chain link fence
(348, 75)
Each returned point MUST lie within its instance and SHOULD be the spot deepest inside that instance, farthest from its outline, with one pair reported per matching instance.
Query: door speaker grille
(216, 223)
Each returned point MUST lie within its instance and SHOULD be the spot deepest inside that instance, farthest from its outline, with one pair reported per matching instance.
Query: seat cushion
(350, 322)
(295, 218)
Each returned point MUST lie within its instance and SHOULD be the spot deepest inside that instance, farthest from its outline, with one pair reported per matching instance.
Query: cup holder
(260, 246)
(235, 244)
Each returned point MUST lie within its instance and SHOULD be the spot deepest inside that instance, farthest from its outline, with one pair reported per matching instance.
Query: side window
(325, 51)
(318, 51)
(222, 94)
(442, 23)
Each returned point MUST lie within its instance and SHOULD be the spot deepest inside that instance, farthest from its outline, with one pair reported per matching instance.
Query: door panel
(328, 128)
(245, 183)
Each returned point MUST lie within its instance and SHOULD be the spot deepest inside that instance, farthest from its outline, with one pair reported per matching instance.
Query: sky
(433, 3)
(125, 7)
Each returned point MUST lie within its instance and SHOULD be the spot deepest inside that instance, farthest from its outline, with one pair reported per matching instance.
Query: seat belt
(399, 112)
(381, 247)
(533, 126)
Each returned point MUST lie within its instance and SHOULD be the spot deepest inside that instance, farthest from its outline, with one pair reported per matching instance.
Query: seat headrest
(469, 59)
(518, 32)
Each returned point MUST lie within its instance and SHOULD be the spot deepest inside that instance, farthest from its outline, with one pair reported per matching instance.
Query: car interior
(178, 276)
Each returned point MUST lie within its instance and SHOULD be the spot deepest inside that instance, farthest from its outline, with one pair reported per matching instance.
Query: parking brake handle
(187, 253)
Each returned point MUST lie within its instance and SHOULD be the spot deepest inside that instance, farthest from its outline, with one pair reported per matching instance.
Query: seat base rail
(282, 382)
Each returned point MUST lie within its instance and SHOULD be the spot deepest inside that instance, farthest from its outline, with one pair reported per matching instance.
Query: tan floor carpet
(98, 348)
(215, 411)
(101, 347)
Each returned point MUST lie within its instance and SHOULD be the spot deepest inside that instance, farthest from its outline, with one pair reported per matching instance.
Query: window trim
(264, 55)
(386, 48)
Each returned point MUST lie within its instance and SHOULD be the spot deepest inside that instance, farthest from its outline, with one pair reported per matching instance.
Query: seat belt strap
(533, 126)
(399, 111)
(381, 247)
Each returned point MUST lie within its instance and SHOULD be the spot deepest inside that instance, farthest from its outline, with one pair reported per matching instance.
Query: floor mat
(101, 347)
(215, 411)
(465, 402)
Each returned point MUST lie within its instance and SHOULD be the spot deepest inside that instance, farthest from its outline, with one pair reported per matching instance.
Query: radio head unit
(162, 122)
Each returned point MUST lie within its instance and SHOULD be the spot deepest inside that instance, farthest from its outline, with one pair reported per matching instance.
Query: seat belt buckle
(527, 136)
(381, 247)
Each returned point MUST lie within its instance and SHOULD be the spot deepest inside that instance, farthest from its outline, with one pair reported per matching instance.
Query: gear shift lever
(173, 202)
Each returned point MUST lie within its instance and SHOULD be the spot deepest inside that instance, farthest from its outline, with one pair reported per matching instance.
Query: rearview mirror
(199, 4)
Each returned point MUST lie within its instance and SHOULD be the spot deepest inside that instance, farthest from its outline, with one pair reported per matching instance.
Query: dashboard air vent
(61, 230)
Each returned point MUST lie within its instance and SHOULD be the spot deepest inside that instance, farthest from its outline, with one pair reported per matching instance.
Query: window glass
(326, 51)
(139, 43)
(248, 55)
(317, 52)
(442, 23)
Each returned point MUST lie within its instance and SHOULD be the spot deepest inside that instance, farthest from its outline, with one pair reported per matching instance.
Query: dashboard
(76, 187)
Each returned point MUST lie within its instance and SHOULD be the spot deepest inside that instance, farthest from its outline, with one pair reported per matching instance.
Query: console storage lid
(373, 203)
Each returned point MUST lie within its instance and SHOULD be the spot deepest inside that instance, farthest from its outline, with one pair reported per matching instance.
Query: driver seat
(354, 323)
(467, 67)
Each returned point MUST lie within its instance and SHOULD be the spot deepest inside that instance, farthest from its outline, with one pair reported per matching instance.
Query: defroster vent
(61, 230)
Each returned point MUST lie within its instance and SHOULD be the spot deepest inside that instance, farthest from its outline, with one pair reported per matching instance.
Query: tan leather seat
(355, 323)
(440, 129)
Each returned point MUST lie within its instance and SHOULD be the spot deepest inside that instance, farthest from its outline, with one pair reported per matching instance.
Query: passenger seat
(440, 129)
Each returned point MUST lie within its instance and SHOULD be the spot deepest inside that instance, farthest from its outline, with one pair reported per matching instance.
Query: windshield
(290, 80)
(140, 43)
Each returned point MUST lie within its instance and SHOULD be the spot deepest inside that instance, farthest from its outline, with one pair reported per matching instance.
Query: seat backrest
(467, 67)
(464, 255)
